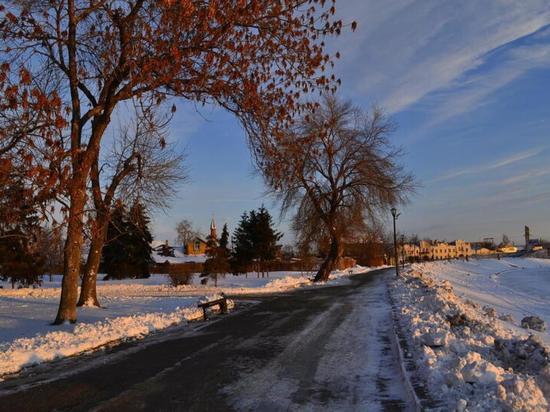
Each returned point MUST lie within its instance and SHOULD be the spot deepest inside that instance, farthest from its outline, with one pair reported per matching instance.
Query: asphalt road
(317, 349)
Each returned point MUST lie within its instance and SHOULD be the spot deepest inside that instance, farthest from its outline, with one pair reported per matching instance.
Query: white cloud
(474, 90)
(491, 166)
(532, 174)
(406, 50)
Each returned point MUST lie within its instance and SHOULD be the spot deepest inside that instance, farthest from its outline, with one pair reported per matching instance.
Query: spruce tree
(254, 240)
(21, 260)
(114, 252)
(127, 252)
(224, 238)
(242, 253)
(266, 238)
(140, 240)
(218, 260)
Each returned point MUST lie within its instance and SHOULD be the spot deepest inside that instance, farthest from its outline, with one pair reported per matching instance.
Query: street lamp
(395, 216)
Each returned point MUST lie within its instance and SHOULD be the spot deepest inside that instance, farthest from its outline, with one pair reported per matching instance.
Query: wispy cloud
(524, 177)
(413, 48)
(485, 168)
(472, 91)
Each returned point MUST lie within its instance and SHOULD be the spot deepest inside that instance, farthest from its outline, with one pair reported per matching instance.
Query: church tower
(213, 230)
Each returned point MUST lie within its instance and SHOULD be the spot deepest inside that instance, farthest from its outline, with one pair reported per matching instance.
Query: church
(197, 246)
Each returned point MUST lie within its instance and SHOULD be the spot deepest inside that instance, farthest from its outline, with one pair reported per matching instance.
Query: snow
(24, 316)
(131, 308)
(469, 358)
(519, 287)
(160, 285)
(96, 328)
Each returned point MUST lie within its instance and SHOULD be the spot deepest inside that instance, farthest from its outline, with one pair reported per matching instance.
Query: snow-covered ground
(132, 308)
(160, 285)
(470, 358)
(516, 286)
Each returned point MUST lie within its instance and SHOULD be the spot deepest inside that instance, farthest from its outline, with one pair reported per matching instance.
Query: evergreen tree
(21, 260)
(140, 239)
(242, 254)
(218, 260)
(127, 252)
(266, 238)
(114, 252)
(254, 240)
(224, 238)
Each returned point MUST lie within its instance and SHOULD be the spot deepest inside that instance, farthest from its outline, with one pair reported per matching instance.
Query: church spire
(213, 231)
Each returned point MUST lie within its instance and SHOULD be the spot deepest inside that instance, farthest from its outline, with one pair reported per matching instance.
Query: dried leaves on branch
(255, 58)
(335, 168)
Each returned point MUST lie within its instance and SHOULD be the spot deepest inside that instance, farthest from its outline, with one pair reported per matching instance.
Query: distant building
(197, 245)
(436, 250)
(163, 249)
(507, 249)
(411, 250)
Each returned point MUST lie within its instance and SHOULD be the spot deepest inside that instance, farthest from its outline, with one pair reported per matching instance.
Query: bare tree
(336, 167)
(185, 232)
(505, 241)
(140, 169)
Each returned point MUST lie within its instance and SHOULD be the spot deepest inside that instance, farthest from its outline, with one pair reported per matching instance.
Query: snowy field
(466, 347)
(514, 286)
(130, 309)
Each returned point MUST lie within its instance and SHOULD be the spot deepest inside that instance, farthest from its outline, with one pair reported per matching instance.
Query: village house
(198, 246)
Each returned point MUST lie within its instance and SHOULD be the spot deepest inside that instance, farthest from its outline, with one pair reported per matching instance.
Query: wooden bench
(222, 303)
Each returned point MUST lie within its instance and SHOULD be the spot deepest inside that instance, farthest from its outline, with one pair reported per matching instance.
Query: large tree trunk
(330, 262)
(72, 253)
(88, 290)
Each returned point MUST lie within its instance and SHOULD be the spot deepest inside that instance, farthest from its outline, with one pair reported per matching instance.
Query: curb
(416, 387)
(398, 351)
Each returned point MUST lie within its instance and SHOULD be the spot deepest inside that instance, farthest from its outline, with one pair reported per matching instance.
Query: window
(197, 245)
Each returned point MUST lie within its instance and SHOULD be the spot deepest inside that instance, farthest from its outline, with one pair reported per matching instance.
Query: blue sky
(467, 83)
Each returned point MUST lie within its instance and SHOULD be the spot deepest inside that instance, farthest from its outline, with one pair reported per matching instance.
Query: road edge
(416, 387)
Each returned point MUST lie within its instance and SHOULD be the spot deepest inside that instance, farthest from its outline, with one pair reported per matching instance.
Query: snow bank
(83, 337)
(469, 359)
(515, 288)
(292, 282)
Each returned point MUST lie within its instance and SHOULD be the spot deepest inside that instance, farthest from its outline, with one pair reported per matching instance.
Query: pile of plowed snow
(83, 337)
(469, 358)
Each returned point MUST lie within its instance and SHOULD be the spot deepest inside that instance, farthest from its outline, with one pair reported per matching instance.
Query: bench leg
(204, 313)
(224, 307)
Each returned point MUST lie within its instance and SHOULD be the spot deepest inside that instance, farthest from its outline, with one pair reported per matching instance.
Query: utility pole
(395, 216)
